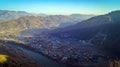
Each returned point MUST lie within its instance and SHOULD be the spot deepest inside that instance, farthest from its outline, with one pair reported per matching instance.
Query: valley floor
(75, 56)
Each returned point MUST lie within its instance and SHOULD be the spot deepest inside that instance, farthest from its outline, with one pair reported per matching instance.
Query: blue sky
(61, 6)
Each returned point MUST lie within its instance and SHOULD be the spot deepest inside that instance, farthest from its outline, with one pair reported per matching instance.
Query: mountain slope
(10, 57)
(102, 31)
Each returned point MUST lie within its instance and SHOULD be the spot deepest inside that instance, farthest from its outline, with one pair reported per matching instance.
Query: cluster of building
(65, 53)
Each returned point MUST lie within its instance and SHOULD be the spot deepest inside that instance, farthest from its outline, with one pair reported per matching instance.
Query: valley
(93, 42)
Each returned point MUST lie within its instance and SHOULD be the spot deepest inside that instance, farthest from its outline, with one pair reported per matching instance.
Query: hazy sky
(61, 6)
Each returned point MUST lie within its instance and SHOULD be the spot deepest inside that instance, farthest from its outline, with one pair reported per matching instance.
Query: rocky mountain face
(101, 31)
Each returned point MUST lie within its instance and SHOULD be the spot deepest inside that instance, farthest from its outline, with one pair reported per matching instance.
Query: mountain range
(19, 20)
(100, 30)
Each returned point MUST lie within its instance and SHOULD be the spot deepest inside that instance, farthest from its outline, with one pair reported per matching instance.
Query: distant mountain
(13, 15)
(102, 31)
(7, 15)
(25, 21)
(14, 27)
(71, 19)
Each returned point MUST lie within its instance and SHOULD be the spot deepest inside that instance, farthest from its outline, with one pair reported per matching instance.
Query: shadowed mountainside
(102, 31)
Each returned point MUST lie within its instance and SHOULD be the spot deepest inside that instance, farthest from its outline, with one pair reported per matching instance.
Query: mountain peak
(115, 15)
(115, 12)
